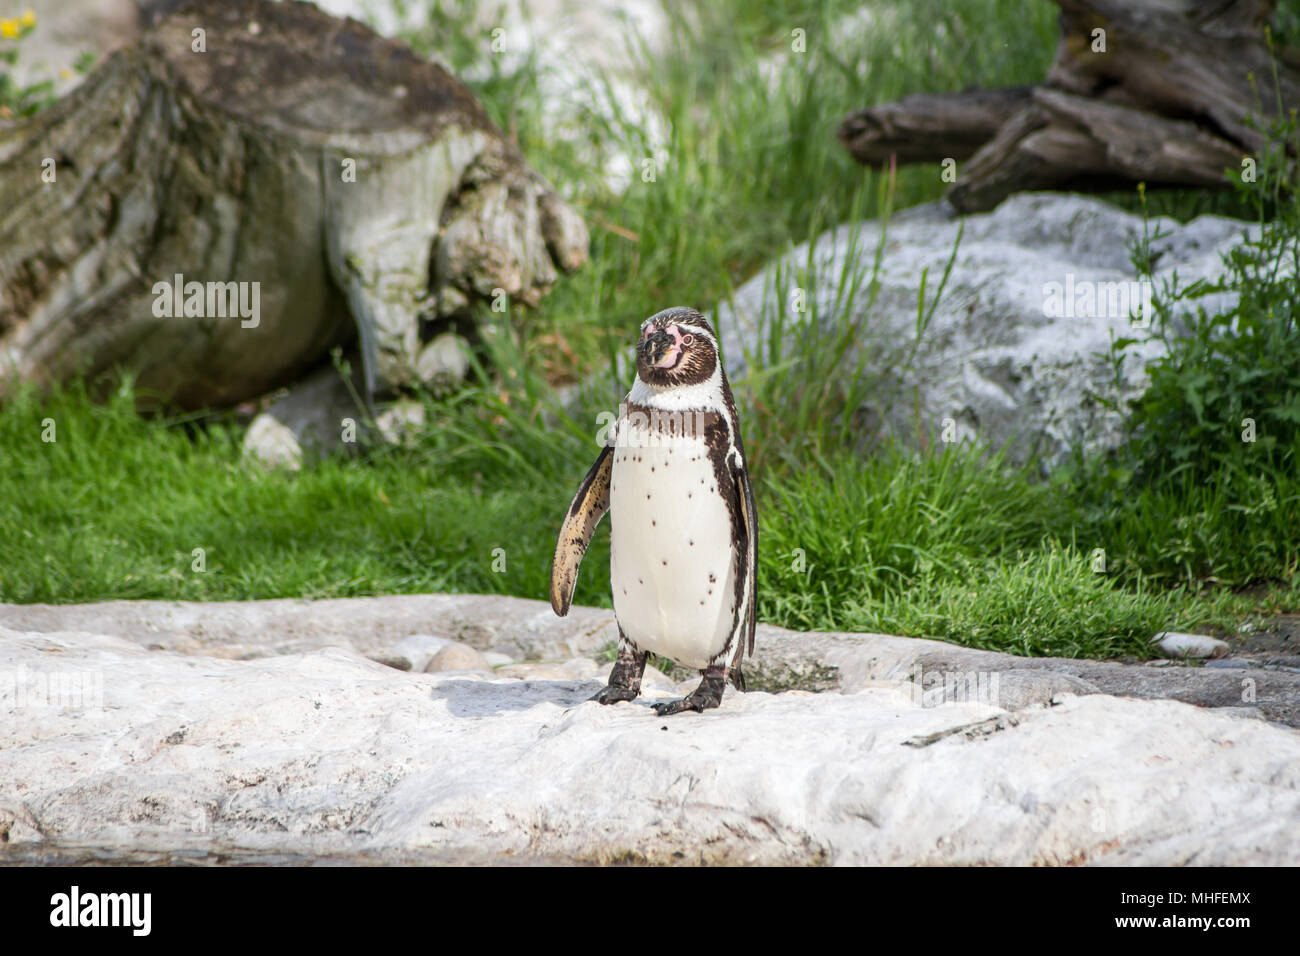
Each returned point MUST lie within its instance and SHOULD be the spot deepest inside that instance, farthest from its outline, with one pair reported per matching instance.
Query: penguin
(683, 532)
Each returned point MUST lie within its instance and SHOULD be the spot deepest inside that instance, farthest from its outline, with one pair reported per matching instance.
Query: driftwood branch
(923, 126)
(1174, 92)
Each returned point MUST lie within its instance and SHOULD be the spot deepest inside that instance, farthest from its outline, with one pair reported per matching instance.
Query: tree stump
(247, 155)
(1167, 92)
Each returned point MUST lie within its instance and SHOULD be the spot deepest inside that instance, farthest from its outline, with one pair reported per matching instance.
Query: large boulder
(1015, 349)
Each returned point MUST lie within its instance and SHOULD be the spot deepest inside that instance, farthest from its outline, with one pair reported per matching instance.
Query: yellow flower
(8, 29)
(29, 19)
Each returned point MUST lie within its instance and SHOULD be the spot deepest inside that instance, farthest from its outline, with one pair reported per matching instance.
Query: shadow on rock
(472, 698)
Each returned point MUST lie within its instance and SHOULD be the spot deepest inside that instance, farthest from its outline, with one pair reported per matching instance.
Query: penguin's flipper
(745, 534)
(588, 507)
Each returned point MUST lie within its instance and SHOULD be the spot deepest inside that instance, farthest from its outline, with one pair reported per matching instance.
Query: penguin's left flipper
(707, 695)
(745, 534)
(588, 507)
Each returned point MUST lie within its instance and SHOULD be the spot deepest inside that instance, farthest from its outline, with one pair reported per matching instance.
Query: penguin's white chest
(672, 558)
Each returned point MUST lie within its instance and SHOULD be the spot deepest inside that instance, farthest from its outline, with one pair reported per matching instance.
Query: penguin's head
(677, 347)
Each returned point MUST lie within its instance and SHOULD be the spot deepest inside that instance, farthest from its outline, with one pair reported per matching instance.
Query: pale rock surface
(326, 755)
(529, 631)
(512, 626)
(574, 669)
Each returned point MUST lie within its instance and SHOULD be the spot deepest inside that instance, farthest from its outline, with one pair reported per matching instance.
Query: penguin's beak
(658, 349)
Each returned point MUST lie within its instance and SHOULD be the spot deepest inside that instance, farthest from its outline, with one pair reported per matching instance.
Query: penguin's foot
(708, 694)
(625, 677)
(612, 694)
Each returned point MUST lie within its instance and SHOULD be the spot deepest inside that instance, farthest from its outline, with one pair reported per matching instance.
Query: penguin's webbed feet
(707, 695)
(625, 676)
(612, 694)
(694, 702)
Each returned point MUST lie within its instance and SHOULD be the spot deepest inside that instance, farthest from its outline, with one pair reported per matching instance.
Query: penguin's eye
(687, 339)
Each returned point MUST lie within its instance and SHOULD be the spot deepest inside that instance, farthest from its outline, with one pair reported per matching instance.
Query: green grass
(116, 506)
(956, 545)
(952, 544)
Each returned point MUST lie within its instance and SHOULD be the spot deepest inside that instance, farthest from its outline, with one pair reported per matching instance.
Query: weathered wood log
(1167, 92)
(279, 160)
(920, 127)
(1066, 141)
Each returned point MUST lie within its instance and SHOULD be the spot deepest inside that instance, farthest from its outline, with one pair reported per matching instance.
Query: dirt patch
(1277, 637)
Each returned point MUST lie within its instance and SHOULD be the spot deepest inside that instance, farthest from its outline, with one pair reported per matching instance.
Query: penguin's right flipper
(588, 507)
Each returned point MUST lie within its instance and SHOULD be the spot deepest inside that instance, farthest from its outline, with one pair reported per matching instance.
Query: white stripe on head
(680, 315)
(697, 330)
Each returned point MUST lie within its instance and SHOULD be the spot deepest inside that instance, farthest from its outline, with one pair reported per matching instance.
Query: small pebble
(1176, 645)
(416, 649)
(457, 657)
